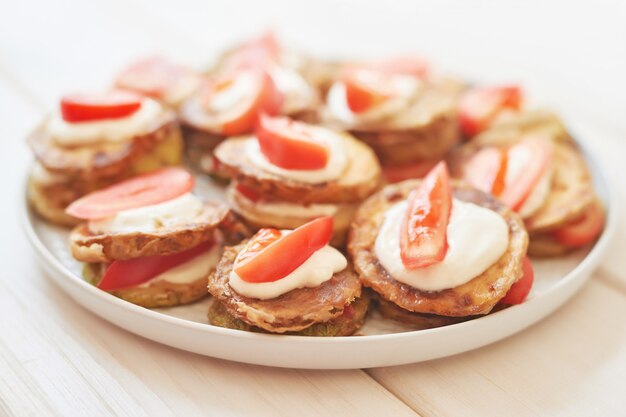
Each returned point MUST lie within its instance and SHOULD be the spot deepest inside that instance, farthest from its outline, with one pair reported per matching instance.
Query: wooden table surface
(57, 358)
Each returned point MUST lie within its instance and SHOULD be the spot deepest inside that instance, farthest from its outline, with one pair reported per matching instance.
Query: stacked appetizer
(289, 172)
(529, 161)
(405, 115)
(288, 281)
(94, 140)
(437, 252)
(148, 239)
(250, 80)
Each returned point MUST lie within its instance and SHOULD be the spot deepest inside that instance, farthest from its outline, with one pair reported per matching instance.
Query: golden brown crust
(344, 325)
(543, 245)
(477, 296)
(509, 130)
(293, 311)
(431, 141)
(50, 202)
(361, 177)
(571, 191)
(87, 247)
(102, 160)
(420, 321)
(156, 294)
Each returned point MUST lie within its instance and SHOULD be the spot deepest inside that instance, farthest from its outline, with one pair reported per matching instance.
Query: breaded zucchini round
(477, 296)
(293, 311)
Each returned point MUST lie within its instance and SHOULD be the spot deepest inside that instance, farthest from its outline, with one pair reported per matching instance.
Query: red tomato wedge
(249, 193)
(486, 170)
(239, 98)
(269, 256)
(290, 145)
(87, 107)
(397, 173)
(143, 190)
(404, 65)
(423, 236)
(584, 230)
(124, 274)
(520, 290)
(152, 76)
(527, 162)
(479, 106)
(365, 88)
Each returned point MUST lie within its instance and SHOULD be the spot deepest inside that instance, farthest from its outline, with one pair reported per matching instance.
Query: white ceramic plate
(380, 342)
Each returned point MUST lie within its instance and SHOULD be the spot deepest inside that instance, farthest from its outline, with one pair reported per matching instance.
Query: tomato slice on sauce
(238, 99)
(270, 255)
(143, 190)
(132, 272)
(584, 230)
(520, 290)
(86, 107)
(290, 145)
(423, 235)
(365, 88)
(153, 76)
(527, 162)
(486, 170)
(479, 106)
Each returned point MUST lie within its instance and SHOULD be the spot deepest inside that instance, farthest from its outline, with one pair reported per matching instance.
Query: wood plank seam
(608, 279)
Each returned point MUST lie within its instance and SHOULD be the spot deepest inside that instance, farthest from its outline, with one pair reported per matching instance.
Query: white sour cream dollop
(109, 130)
(179, 210)
(337, 159)
(477, 238)
(404, 89)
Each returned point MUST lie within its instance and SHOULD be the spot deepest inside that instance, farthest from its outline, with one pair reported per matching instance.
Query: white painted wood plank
(571, 364)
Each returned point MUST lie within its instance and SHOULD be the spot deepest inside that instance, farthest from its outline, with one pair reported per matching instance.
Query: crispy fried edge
(111, 162)
(107, 247)
(218, 315)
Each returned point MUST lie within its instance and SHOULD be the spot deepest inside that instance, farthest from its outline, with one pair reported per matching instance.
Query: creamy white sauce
(477, 238)
(190, 271)
(146, 219)
(109, 130)
(239, 91)
(319, 268)
(403, 88)
(283, 208)
(516, 164)
(298, 94)
(337, 159)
